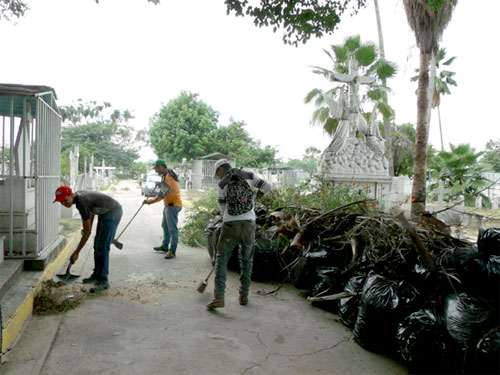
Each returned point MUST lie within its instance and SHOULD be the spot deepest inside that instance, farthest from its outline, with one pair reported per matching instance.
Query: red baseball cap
(62, 192)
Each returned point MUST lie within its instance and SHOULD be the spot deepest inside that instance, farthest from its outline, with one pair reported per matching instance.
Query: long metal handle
(150, 194)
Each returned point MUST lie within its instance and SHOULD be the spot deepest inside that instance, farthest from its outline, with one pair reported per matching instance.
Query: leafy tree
(16, 8)
(492, 154)
(183, 128)
(139, 168)
(265, 156)
(442, 81)
(234, 141)
(100, 131)
(331, 105)
(403, 147)
(299, 20)
(387, 120)
(188, 128)
(308, 163)
(10, 9)
(427, 19)
(461, 172)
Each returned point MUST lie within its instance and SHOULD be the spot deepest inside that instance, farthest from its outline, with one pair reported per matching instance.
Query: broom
(204, 283)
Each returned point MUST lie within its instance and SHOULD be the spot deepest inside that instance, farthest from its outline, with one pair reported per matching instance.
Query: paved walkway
(153, 321)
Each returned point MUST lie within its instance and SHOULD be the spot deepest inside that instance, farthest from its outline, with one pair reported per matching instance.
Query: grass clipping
(57, 297)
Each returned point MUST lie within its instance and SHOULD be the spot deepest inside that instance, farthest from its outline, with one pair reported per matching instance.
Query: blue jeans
(169, 225)
(105, 234)
(234, 233)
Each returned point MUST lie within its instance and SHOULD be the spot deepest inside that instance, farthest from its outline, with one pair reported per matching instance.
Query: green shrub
(204, 209)
(322, 197)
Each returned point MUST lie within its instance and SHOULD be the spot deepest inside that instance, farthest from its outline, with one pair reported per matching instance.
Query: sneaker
(160, 249)
(243, 300)
(99, 287)
(216, 303)
(91, 279)
(170, 255)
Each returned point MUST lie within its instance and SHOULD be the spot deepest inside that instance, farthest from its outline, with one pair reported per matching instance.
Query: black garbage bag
(265, 260)
(329, 283)
(304, 274)
(261, 214)
(348, 307)
(490, 276)
(488, 353)
(479, 272)
(488, 241)
(423, 343)
(467, 318)
(379, 313)
(213, 226)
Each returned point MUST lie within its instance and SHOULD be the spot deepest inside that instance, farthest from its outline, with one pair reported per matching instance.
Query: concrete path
(153, 321)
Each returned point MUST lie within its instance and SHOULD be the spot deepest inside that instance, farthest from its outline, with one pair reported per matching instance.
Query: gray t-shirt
(91, 203)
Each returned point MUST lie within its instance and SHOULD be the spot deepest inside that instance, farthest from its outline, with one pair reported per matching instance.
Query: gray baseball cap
(220, 163)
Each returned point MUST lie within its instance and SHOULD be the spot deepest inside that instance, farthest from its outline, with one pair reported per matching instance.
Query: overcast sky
(138, 56)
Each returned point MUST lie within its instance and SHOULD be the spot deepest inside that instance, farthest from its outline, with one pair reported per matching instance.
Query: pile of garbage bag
(370, 271)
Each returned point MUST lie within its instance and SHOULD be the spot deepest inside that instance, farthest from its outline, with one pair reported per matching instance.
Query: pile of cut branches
(406, 288)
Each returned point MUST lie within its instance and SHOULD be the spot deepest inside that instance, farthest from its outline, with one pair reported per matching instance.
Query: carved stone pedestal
(357, 162)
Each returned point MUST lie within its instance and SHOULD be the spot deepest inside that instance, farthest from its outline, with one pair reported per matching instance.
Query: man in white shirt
(236, 204)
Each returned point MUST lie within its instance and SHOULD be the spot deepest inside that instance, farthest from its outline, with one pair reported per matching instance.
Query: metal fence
(30, 170)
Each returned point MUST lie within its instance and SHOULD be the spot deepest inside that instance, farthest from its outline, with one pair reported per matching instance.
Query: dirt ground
(152, 320)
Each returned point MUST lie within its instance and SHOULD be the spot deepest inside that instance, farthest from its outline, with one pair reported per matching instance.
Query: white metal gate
(30, 169)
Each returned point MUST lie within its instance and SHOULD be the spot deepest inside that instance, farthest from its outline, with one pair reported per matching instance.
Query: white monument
(357, 151)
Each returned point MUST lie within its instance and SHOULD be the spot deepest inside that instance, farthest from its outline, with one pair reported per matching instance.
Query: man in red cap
(109, 211)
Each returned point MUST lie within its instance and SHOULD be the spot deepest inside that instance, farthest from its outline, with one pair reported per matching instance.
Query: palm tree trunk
(387, 124)
(422, 135)
(440, 129)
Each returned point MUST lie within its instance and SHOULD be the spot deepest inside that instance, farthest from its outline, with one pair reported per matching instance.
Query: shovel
(66, 277)
(117, 243)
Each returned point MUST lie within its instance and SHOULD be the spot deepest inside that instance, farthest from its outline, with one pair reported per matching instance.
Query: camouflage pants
(235, 233)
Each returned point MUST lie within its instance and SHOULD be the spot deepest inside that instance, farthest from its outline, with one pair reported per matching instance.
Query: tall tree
(101, 131)
(308, 163)
(188, 128)
(182, 128)
(492, 154)
(403, 139)
(16, 8)
(442, 80)
(299, 20)
(10, 9)
(234, 141)
(387, 119)
(427, 19)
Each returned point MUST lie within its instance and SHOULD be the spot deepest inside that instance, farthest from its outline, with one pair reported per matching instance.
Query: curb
(16, 322)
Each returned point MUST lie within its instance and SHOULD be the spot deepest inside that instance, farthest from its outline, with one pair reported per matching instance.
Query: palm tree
(441, 82)
(335, 104)
(427, 19)
(387, 125)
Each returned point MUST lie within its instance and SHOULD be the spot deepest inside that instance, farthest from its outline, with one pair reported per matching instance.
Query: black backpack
(239, 197)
